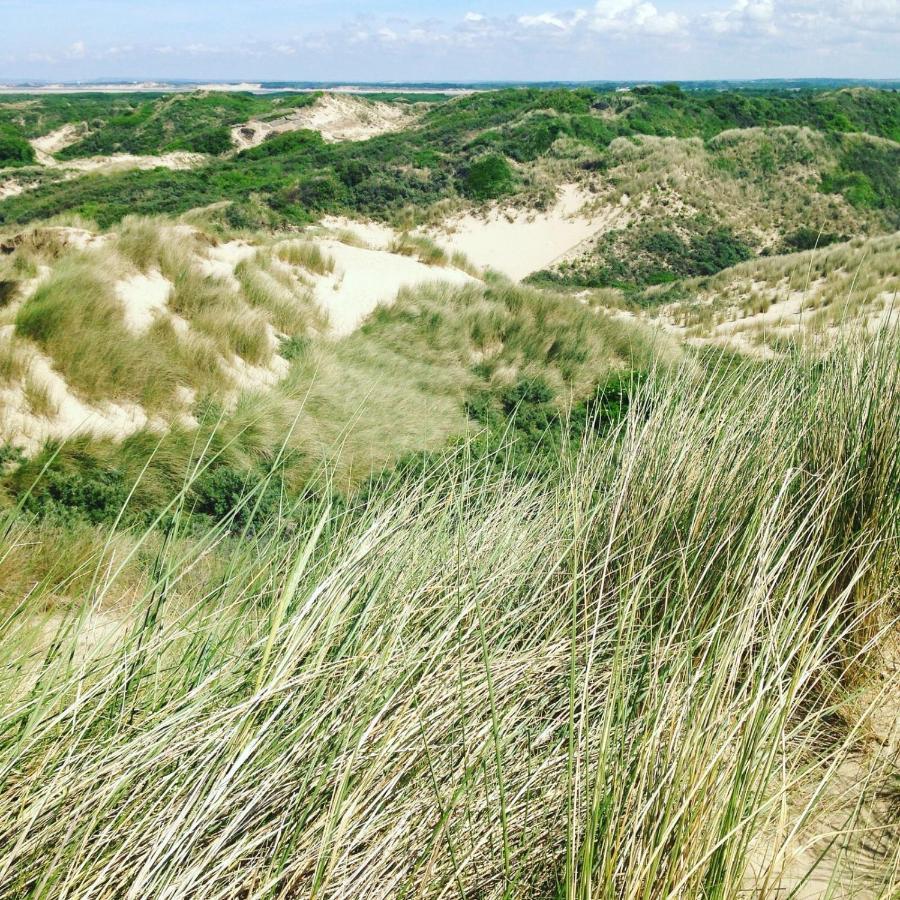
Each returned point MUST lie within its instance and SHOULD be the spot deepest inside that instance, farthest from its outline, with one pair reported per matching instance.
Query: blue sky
(427, 40)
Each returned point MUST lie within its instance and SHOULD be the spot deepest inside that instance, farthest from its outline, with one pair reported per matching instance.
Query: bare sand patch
(143, 298)
(373, 235)
(11, 188)
(48, 144)
(67, 415)
(221, 261)
(520, 242)
(363, 279)
(121, 162)
(336, 118)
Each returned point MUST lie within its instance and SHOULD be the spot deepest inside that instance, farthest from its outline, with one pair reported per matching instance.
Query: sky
(448, 40)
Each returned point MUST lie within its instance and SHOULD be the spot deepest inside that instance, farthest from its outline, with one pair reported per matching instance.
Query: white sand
(221, 261)
(363, 279)
(519, 242)
(121, 162)
(48, 144)
(11, 188)
(144, 297)
(71, 415)
(335, 118)
(373, 235)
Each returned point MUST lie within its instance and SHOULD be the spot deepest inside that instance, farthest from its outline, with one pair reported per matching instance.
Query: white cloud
(745, 16)
(78, 50)
(635, 17)
(473, 17)
(561, 21)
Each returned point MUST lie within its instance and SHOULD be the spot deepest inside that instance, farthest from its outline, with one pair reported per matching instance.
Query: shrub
(806, 238)
(77, 488)
(14, 149)
(223, 492)
(488, 178)
(213, 141)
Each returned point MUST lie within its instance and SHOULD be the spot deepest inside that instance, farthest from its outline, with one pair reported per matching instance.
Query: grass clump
(307, 255)
(77, 319)
(638, 676)
(421, 247)
(39, 397)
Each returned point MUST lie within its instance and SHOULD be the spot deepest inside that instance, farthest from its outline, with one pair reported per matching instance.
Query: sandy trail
(363, 279)
(521, 242)
(48, 144)
(335, 118)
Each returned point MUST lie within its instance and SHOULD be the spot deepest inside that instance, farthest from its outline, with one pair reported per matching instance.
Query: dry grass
(39, 398)
(422, 248)
(640, 677)
(305, 254)
(14, 361)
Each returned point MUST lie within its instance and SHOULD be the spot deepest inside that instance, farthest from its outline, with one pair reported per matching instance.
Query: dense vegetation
(462, 147)
(14, 149)
(503, 593)
(610, 681)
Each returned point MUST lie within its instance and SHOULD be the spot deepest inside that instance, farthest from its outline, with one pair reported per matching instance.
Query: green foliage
(652, 255)
(806, 238)
(868, 177)
(488, 178)
(195, 122)
(14, 149)
(459, 147)
(238, 496)
(72, 486)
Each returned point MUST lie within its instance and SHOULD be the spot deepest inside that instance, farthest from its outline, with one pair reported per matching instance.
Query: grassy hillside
(244, 362)
(336, 564)
(652, 672)
(506, 143)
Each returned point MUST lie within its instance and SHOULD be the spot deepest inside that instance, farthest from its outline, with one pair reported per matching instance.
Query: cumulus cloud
(615, 39)
(635, 17)
(745, 16)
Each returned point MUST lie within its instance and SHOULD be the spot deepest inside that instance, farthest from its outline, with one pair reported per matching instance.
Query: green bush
(488, 178)
(806, 238)
(79, 488)
(213, 141)
(239, 495)
(14, 149)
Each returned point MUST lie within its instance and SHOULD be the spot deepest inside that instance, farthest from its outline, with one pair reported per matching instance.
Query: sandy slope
(11, 188)
(336, 118)
(143, 298)
(71, 415)
(47, 145)
(363, 279)
(520, 242)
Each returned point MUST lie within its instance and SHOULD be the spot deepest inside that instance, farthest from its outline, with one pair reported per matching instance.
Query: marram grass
(643, 678)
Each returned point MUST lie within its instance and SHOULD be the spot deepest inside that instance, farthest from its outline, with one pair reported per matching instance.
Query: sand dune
(520, 242)
(336, 118)
(48, 144)
(364, 279)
